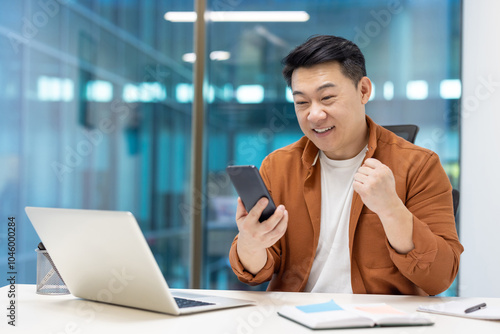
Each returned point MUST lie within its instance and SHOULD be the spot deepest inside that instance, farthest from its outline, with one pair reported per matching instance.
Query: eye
(328, 97)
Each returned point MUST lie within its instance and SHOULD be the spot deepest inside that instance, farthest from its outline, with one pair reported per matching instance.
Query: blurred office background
(96, 99)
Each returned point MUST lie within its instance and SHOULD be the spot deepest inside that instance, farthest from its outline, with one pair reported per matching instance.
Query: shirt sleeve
(264, 275)
(273, 253)
(433, 263)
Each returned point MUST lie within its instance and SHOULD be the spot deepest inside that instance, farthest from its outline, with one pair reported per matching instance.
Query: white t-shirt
(331, 269)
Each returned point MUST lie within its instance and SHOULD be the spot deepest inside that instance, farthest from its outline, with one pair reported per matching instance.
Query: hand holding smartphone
(250, 187)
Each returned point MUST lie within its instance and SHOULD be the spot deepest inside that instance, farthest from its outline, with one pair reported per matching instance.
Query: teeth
(323, 130)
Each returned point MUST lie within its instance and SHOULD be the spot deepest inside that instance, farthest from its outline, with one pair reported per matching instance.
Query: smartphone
(250, 187)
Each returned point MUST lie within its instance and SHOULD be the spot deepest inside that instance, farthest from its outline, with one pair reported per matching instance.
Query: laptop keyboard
(183, 303)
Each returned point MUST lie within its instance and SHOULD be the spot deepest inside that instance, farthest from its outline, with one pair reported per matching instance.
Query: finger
(373, 163)
(279, 230)
(365, 170)
(276, 216)
(283, 224)
(257, 209)
(360, 178)
(356, 185)
(361, 184)
(240, 210)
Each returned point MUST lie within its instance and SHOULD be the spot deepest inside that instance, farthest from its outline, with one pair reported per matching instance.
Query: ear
(365, 89)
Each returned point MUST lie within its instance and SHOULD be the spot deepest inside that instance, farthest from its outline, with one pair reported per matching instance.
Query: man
(362, 210)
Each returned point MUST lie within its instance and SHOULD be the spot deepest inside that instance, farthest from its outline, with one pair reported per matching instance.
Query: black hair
(325, 48)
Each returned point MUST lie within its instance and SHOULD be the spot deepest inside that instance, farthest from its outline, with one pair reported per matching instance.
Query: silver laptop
(103, 256)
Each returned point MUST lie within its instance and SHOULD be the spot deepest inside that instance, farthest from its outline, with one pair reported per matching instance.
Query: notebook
(103, 256)
(330, 315)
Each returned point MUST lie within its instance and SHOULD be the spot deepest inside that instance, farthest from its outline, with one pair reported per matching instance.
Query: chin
(325, 148)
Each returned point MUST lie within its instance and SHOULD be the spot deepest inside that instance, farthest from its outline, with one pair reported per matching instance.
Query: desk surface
(67, 314)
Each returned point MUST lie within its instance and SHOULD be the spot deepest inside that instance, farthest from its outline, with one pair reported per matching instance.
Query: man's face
(331, 109)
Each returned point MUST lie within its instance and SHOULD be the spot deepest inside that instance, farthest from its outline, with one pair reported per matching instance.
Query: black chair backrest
(407, 131)
(456, 200)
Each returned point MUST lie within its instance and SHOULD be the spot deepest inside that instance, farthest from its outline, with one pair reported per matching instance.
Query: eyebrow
(323, 86)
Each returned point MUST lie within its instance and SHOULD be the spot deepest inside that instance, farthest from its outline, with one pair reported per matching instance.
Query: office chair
(409, 132)
(406, 131)
(456, 200)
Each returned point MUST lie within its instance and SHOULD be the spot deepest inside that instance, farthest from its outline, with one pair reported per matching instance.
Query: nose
(316, 114)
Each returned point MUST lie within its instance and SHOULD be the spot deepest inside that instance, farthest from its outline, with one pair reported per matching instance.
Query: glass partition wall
(96, 99)
(89, 119)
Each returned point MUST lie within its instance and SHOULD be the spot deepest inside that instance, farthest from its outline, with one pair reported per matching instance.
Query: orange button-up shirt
(293, 178)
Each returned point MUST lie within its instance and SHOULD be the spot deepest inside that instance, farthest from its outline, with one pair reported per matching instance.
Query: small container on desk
(48, 279)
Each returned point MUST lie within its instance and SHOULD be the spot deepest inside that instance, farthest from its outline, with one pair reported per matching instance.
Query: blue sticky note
(323, 307)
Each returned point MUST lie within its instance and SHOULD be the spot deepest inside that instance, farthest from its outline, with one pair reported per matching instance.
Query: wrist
(245, 250)
(398, 227)
(252, 259)
(393, 211)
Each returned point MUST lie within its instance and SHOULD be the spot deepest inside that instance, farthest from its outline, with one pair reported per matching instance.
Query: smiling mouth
(323, 130)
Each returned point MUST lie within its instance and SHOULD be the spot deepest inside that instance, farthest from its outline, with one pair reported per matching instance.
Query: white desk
(67, 314)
